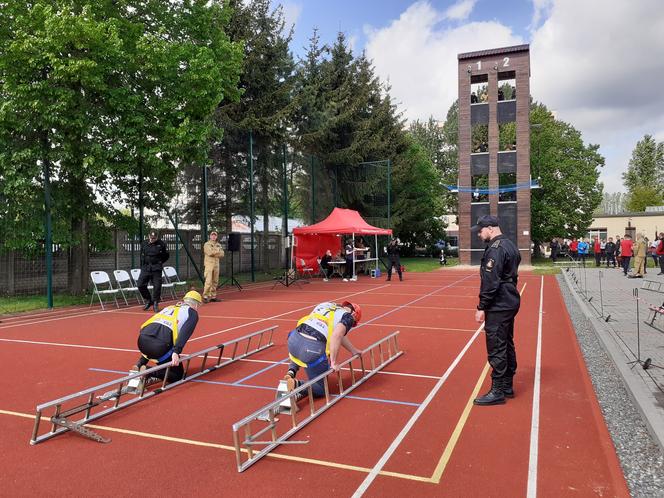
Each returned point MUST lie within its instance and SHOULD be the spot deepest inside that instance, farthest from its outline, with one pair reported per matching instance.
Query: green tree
(418, 205)
(568, 171)
(109, 96)
(642, 196)
(645, 172)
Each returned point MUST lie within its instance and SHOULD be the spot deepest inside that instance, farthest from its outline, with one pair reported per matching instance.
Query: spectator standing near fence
(639, 251)
(153, 256)
(626, 252)
(597, 251)
(660, 253)
(555, 249)
(610, 253)
(582, 248)
(573, 248)
(213, 254)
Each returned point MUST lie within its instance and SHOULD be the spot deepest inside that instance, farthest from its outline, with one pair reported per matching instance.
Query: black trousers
(154, 349)
(146, 277)
(394, 260)
(499, 329)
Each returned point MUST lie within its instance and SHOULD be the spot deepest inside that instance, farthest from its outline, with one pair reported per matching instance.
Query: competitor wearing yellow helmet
(163, 337)
(317, 336)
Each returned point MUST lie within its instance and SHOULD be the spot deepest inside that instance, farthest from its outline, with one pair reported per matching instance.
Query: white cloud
(292, 11)
(417, 54)
(601, 67)
(460, 10)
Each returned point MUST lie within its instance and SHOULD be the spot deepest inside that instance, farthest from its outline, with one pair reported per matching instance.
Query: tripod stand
(231, 280)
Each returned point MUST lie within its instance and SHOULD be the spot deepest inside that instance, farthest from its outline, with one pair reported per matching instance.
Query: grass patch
(544, 266)
(17, 304)
(418, 265)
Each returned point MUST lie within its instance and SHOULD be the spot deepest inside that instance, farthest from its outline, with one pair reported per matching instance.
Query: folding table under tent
(310, 242)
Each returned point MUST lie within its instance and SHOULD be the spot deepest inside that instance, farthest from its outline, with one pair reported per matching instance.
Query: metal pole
(251, 200)
(389, 192)
(47, 208)
(177, 243)
(313, 195)
(204, 228)
(140, 207)
(285, 196)
(132, 240)
(601, 298)
(638, 326)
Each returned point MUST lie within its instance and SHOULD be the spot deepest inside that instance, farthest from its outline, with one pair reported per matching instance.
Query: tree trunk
(78, 257)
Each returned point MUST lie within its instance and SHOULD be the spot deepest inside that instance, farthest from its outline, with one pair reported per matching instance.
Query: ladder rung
(246, 455)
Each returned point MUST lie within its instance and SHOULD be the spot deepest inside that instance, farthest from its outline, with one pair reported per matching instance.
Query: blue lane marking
(238, 382)
(234, 384)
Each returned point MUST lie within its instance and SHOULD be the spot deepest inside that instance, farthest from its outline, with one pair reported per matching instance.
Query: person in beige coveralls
(213, 253)
(639, 257)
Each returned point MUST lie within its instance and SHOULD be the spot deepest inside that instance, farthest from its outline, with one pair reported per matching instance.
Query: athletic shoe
(345, 280)
(354, 279)
(326, 280)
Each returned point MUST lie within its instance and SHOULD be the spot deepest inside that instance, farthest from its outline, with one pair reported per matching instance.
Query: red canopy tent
(311, 242)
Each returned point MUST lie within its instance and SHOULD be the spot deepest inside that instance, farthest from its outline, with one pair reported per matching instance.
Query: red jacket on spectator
(626, 248)
(597, 248)
(574, 245)
(660, 248)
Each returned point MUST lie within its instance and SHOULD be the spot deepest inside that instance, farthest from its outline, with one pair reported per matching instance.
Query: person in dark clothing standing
(555, 249)
(153, 256)
(325, 265)
(393, 258)
(610, 253)
(499, 302)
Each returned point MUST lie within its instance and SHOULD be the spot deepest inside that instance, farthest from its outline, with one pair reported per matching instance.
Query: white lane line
(347, 296)
(534, 424)
(68, 345)
(413, 419)
(406, 429)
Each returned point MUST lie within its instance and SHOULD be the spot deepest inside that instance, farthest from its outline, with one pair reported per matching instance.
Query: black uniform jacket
(153, 255)
(499, 273)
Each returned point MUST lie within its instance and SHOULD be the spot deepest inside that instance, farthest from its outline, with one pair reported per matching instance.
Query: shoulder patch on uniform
(490, 264)
(496, 243)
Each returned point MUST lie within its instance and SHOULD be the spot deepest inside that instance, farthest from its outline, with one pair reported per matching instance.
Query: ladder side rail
(147, 372)
(258, 455)
(274, 406)
(87, 407)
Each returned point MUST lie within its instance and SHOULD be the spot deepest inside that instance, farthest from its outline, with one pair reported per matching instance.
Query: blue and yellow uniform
(308, 343)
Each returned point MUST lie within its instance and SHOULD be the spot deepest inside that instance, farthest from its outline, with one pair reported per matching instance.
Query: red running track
(411, 430)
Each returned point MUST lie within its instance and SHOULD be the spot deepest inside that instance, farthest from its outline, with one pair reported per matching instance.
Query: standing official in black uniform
(153, 256)
(498, 306)
(392, 250)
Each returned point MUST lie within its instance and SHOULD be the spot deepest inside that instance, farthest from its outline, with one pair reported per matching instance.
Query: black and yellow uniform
(500, 301)
(166, 333)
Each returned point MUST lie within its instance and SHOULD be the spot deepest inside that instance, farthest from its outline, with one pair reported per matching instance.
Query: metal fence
(25, 274)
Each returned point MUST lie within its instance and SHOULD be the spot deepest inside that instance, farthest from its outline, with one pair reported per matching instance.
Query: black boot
(508, 387)
(495, 396)
(147, 306)
(155, 307)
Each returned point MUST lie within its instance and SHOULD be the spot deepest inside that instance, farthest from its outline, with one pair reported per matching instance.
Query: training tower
(494, 146)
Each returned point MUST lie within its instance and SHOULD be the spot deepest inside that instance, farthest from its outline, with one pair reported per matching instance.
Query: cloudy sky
(599, 64)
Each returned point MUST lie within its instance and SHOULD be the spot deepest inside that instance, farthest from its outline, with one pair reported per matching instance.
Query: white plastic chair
(173, 278)
(100, 279)
(135, 275)
(167, 284)
(306, 271)
(123, 278)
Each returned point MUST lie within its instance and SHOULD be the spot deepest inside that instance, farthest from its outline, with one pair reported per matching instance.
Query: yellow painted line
(193, 442)
(434, 479)
(449, 448)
